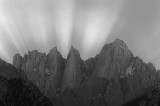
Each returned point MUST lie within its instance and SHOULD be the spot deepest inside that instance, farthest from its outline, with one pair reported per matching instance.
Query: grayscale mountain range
(114, 77)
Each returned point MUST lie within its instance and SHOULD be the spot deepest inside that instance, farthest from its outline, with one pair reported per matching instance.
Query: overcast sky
(85, 24)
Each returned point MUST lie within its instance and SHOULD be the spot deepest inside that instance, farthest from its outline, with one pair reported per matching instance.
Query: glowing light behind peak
(38, 30)
(85, 24)
(64, 24)
(98, 24)
(97, 28)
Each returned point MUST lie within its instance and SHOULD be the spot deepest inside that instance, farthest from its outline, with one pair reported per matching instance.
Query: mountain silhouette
(114, 77)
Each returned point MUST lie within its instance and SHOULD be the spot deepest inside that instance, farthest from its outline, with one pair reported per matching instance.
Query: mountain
(114, 77)
(17, 90)
(73, 74)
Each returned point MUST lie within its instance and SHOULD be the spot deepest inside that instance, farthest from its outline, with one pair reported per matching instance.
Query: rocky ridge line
(113, 73)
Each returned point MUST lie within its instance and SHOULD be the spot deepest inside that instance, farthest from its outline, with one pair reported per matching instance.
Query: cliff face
(73, 74)
(45, 71)
(17, 90)
(113, 78)
(113, 59)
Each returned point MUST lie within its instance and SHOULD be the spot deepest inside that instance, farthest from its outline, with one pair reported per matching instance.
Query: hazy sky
(85, 24)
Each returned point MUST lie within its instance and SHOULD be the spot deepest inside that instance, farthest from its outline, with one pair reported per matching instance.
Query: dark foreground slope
(17, 90)
(149, 98)
(114, 77)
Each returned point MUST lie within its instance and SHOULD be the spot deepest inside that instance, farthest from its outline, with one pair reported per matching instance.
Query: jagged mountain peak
(54, 50)
(32, 52)
(113, 73)
(72, 73)
(73, 52)
(54, 53)
(119, 42)
(116, 46)
(114, 58)
(17, 60)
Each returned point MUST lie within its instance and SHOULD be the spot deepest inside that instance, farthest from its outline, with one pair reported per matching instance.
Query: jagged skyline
(85, 24)
(113, 78)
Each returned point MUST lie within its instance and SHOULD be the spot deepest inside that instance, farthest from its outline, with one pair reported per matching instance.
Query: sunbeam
(64, 22)
(85, 24)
